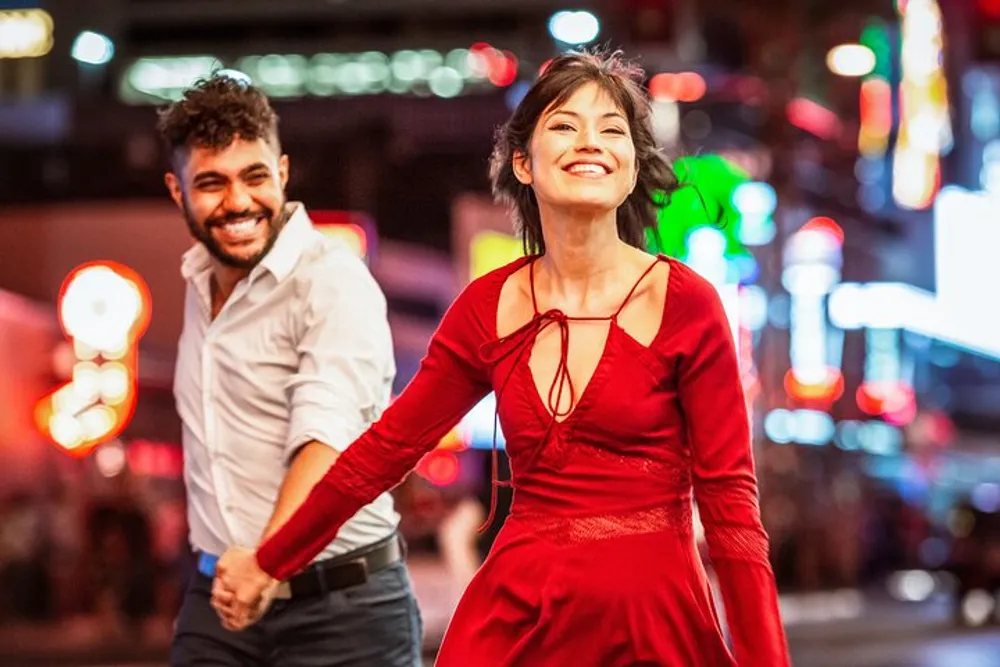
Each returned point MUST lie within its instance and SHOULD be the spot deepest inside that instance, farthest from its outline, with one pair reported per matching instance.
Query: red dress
(596, 565)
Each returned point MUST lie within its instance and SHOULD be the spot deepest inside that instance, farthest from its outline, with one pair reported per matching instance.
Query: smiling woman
(598, 102)
(619, 395)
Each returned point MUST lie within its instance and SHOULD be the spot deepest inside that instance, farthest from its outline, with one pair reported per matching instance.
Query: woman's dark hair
(213, 111)
(621, 80)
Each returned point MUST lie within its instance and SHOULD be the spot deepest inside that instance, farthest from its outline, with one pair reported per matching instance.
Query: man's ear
(173, 184)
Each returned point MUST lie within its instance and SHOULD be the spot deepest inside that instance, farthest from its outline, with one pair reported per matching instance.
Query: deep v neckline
(548, 406)
(582, 396)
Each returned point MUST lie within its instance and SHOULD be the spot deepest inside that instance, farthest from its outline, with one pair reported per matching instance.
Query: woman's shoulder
(486, 288)
(478, 300)
(693, 305)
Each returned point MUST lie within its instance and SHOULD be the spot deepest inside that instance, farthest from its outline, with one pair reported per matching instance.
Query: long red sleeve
(725, 484)
(450, 381)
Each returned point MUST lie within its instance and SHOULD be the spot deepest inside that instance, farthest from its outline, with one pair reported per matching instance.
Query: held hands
(241, 592)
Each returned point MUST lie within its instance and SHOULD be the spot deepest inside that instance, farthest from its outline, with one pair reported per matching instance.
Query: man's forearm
(308, 467)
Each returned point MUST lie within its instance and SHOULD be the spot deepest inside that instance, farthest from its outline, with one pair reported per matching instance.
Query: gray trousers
(374, 624)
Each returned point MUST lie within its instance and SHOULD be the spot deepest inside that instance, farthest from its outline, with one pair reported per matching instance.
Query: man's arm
(345, 358)
(308, 466)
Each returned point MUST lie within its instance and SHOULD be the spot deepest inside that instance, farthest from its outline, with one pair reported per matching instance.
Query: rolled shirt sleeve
(345, 356)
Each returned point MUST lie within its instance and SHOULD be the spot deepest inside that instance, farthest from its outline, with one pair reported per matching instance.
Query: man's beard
(203, 234)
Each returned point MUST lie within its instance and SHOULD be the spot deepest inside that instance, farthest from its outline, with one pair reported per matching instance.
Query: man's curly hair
(214, 111)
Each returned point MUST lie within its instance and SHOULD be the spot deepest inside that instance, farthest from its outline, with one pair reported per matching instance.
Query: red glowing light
(876, 106)
(893, 401)
(813, 118)
(826, 226)
(990, 8)
(440, 467)
(828, 389)
(677, 87)
(104, 308)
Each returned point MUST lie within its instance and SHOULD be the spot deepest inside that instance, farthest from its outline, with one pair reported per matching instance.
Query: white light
(755, 199)
(706, 243)
(911, 585)
(235, 75)
(99, 307)
(65, 430)
(753, 307)
(87, 381)
(69, 401)
(92, 48)
(850, 60)
(977, 607)
(570, 27)
(114, 383)
(476, 427)
(813, 245)
(809, 279)
(97, 422)
(110, 459)
(666, 121)
(82, 351)
(847, 306)
(707, 254)
(808, 335)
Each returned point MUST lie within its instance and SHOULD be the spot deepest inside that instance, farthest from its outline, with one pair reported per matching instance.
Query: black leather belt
(344, 571)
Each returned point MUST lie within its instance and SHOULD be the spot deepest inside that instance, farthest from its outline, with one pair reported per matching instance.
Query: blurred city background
(846, 155)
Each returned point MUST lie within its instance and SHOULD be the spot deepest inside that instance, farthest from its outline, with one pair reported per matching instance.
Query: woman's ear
(522, 167)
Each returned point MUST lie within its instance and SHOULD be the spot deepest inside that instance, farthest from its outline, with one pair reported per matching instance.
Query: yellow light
(68, 400)
(491, 250)
(83, 351)
(66, 430)
(351, 234)
(925, 124)
(851, 60)
(114, 383)
(97, 422)
(86, 380)
(25, 33)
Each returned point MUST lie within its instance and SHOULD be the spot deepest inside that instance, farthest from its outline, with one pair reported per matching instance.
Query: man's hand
(241, 592)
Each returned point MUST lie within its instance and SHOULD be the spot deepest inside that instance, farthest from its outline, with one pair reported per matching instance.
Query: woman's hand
(241, 592)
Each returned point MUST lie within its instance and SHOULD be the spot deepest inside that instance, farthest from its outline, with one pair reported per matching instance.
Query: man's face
(232, 198)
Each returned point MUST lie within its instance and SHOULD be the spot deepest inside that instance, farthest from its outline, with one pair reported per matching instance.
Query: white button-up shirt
(301, 351)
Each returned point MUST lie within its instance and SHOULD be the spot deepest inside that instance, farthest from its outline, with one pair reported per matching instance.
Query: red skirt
(559, 597)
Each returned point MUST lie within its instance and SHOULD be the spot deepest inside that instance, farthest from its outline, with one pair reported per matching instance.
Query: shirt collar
(279, 261)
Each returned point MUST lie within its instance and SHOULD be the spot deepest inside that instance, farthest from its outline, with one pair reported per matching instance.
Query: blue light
(516, 93)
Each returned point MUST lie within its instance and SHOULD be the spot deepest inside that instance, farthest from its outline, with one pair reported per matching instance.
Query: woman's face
(581, 154)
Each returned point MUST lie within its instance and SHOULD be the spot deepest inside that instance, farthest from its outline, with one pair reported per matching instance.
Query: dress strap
(531, 284)
(638, 282)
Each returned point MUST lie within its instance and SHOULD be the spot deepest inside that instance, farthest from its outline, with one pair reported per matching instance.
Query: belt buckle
(283, 591)
(358, 569)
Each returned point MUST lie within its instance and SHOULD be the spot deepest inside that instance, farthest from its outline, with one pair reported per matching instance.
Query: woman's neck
(582, 253)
